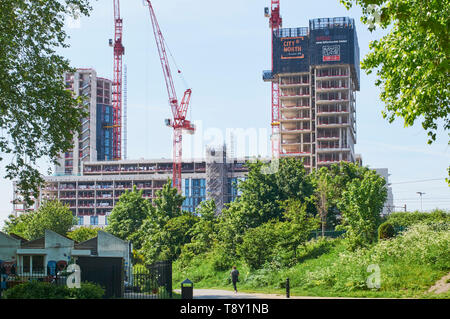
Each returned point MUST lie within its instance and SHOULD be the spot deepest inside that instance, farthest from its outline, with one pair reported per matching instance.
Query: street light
(421, 193)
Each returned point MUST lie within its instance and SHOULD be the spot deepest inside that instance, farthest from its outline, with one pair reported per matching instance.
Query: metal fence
(11, 277)
(328, 233)
(138, 281)
(149, 282)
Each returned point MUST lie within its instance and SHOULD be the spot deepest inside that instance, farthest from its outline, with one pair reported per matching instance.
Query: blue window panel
(94, 220)
(80, 220)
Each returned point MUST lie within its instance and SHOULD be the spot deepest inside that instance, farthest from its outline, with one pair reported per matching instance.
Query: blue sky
(222, 47)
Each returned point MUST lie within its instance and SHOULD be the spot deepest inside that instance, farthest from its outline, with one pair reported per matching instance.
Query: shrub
(386, 231)
(87, 290)
(407, 219)
(45, 290)
(221, 257)
(36, 290)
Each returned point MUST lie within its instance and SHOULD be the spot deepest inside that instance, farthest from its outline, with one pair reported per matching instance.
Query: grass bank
(408, 265)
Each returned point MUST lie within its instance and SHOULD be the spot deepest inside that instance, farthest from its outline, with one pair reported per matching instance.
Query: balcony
(327, 122)
(294, 119)
(332, 74)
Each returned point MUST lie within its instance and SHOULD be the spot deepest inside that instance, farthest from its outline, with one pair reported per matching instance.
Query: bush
(407, 219)
(386, 231)
(221, 257)
(36, 290)
(45, 290)
(87, 290)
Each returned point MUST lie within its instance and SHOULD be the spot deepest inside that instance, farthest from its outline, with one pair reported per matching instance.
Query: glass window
(94, 220)
(38, 263)
(26, 260)
(35, 263)
(80, 220)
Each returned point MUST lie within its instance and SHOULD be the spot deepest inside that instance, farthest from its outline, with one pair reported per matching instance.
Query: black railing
(149, 282)
(136, 282)
(13, 276)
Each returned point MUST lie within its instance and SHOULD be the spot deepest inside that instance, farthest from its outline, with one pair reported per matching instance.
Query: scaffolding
(216, 175)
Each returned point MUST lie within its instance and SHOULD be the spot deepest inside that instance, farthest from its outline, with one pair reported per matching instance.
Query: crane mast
(119, 51)
(275, 23)
(179, 110)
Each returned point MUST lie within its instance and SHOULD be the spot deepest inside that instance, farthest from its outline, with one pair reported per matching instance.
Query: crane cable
(176, 65)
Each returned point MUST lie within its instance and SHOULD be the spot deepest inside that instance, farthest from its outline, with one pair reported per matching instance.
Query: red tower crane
(119, 51)
(179, 110)
(275, 23)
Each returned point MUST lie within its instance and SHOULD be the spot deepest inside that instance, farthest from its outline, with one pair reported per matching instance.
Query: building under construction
(95, 140)
(314, 77)
(93, 194)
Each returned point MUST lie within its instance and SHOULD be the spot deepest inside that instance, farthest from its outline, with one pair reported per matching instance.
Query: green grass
(324, 272)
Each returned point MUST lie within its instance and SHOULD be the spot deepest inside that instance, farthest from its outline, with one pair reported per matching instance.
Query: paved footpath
(226, 294)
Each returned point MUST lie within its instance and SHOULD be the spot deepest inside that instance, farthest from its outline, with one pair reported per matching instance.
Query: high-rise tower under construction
(316, 73)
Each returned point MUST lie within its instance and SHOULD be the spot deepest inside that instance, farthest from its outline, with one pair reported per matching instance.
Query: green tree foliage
(324, 192)
(411, 60)
(175, 234)
(261, 195)
(203, 232)
(37, 114)
(297, 227)
(278, 238)
(258, 245)
(153, 234)
(18, 225)
(51, 215)
(361, 205)
(81, 234)
(329, 184)
(128, 215)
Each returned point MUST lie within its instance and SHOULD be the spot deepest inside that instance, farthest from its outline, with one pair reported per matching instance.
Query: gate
(105, 271)
(149, 282)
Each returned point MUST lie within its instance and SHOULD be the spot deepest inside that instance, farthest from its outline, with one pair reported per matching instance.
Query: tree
(336, 179)
(258, 245)
(361, 205)
(412, 60)
(128, 215)
(298, 225)
(323, 193)
(18, 225)
(278, 238)
(203, 232)
(175, 234)
(167, 206)
(83, 233)
(38, 116)
(51, 215)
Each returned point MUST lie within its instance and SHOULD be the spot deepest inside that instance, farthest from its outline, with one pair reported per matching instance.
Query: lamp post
(420, 194)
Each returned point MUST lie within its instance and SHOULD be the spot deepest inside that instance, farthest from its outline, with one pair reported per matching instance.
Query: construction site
(314, 77)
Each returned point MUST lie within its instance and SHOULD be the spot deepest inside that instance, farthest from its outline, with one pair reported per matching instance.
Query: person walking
(234, 278)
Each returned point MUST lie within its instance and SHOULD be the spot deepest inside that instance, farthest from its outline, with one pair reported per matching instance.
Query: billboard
(335, 46)
(292, 48)
(290, 51)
